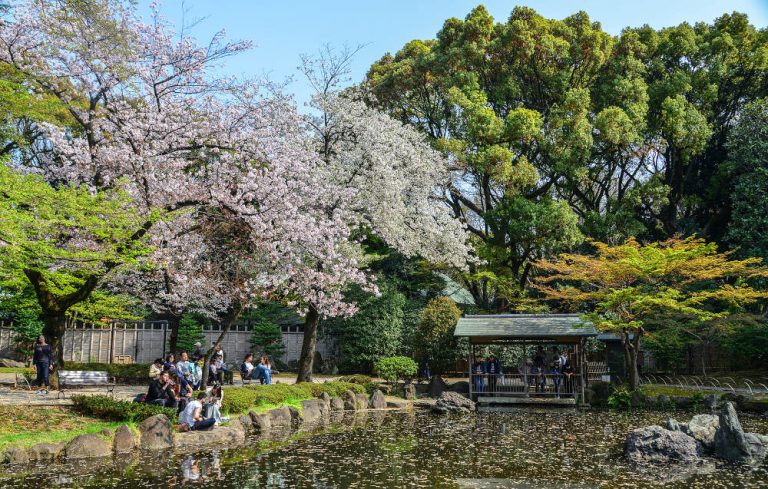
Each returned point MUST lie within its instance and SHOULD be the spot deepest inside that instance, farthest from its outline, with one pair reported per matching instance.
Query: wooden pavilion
(533, 380)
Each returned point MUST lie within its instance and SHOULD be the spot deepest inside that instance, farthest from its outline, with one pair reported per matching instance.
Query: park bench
(69, 379)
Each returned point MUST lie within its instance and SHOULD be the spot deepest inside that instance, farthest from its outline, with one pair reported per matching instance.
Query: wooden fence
(142, 342)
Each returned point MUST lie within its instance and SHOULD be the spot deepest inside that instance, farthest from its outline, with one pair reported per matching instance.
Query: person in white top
(192, 415)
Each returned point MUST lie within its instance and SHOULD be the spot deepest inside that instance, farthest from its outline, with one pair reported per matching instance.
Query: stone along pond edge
(157, 432)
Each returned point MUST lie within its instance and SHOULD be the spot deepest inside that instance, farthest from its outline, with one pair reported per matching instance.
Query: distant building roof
(565, 328)
(456, 292)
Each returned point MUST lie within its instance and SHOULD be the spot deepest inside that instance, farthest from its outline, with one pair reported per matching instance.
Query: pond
(512, 449)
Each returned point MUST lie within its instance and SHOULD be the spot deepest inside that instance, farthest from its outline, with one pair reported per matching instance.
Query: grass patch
(654, 390)
(240, 400)
(17, 370)
(27, 425)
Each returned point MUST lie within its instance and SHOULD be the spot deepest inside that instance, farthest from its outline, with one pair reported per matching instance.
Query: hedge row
(242, 399)
(105, 407)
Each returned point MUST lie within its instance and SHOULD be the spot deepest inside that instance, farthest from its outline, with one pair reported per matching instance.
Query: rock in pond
(703, 428)
(280, 417)
(87, 446)
(261, 422)
(350, 401)
(377, 400)
(313, 410)
(17, 455)
(731, 443)
(337, 404)
(124, 441)
(453, 402)
(156, 433)
(46, 452)
(656, 444)
(219, 436)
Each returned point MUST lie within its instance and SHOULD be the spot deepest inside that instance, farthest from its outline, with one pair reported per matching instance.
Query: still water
(514, 449)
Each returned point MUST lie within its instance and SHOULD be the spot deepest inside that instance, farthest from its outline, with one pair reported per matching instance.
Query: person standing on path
(43, 361)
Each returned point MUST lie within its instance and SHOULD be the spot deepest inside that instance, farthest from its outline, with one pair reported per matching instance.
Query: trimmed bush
(393, 369)
(129, 373)
(105, 407)
(356, 379)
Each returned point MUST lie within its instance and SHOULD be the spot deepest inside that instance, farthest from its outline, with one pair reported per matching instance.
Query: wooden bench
(85, 378)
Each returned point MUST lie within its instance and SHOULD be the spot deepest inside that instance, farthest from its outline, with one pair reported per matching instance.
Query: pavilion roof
(563, 328)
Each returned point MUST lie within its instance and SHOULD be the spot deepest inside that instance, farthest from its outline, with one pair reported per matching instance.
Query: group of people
(262, 371)
(555, 366)
(172, 390)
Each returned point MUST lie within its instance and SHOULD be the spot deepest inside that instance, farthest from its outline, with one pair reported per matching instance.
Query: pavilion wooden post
(469, 362)
(583, 368)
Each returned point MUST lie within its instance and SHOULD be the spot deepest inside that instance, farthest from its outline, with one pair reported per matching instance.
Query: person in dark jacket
(160, 391)
(43, 360)
(493, 370)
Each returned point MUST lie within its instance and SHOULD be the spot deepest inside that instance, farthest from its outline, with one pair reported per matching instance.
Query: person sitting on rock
(192, 416)
(169, 362)
(185, 390)
(212, 408)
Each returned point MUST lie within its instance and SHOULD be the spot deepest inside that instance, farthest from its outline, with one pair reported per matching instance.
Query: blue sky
(283, 29)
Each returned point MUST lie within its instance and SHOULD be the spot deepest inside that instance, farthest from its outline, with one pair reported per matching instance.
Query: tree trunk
(309, 345)
(631, 350)
(173, 339)
(53, 330)
(226, 323)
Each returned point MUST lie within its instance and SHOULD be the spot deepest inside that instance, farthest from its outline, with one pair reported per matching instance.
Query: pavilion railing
(525, 385)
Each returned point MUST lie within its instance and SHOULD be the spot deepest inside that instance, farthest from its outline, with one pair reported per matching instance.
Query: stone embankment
(157, 433)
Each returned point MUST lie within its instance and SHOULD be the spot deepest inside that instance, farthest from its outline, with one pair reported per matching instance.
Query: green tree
(558, 129)
(624, 286)
(435, 342)
(64, 241)
(375, 331)
(748, 156)
(190, 331)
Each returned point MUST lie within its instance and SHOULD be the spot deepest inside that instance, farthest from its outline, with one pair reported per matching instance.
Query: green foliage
(529, 108)
(108, 408)
(392, 369)
(242, 399)
(129, 373)
(190, 331)
(26, 328)
(748, 154)
(435, 342)
(748, 341)
(621, 399)
(374, 331)
(267, 336)
(355, 379)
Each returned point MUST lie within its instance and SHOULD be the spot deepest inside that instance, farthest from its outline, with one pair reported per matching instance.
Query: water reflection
(513, 449)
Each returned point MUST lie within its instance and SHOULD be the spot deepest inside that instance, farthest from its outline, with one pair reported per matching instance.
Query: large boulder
(350, 400)
(87, 446)
(657, 444)
(313, 410)
(362, 400)
(46, 452)
(246, 422)
(261, 422)
(703, 428)
(280, 417)
(410, 392)
(758, 446)
(156, 433)
(436, 386)
(10, 363)
(377, 400)
(17, 455)
(124, 441)
(296, 417)
(219, 436)
(730, 440)
(337, 404)
(453, 402)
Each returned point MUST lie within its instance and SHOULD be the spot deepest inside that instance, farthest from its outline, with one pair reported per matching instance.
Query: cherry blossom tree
(147, 110)
(392, 173)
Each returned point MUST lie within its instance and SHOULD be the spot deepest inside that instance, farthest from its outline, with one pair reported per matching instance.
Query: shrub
(105, 407)
(621, 398)
(334, 389)
(434, 340)
(392, 369)
(356, 379)
(129, 373)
